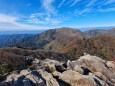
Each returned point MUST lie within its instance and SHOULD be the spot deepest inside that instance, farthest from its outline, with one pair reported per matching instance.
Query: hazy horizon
(40, 31)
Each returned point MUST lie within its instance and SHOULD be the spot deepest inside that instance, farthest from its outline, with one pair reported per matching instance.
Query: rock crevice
(86, 71)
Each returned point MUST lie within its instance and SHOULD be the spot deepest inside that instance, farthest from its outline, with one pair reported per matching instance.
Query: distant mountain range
(40, 31)
(96, 28)
(21, 32)
(98, 32)
(55, 38)
(8, 40)
(51, 39)
(66, 40)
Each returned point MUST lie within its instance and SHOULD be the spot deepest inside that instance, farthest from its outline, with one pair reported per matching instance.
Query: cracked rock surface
(86, 71)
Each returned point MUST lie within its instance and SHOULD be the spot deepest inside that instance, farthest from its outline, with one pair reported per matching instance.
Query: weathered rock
(48, 78)
(111, 65)
(86, 71)
(95, 64)
(71, 64)
(100, 79)
(36, 62)
(52, 65)
(78, 69)
(54, 62)
(11, 79)
(76, 79)
(24, 72)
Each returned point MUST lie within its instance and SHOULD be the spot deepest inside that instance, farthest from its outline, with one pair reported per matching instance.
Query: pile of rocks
(86, 71)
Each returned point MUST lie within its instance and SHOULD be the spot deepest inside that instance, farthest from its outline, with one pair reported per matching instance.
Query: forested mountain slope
(52, 39)
(9, 40)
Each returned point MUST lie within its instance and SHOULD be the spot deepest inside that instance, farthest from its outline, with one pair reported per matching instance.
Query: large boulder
(48, 78)
(86, 71)
(30, 78)
(111, 65)
(88, 64)
(94, 64)
(76, 79)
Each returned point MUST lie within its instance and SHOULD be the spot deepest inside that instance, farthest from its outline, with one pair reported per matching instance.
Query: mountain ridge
(98, 32)
(48, 36)
(62, 35)
(9, 40)
(71, 41)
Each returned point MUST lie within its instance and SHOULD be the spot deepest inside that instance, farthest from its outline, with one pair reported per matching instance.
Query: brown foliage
(102, 46)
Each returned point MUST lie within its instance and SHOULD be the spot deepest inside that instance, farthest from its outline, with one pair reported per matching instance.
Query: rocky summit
(86, 71)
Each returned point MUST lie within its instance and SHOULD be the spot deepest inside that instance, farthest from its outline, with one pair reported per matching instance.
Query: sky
(48, 14)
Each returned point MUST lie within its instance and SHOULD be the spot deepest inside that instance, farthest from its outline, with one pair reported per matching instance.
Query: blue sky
(47, 14)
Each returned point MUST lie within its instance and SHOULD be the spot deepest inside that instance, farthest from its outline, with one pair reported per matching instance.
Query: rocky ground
(86, 71)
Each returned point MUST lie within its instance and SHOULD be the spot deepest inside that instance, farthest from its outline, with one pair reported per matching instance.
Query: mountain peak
(65, 28)
(52, 38)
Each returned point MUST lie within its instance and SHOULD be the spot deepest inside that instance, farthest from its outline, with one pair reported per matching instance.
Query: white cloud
(75, 2)
(62, 2)
(109, 2)
(48, 5)
(106, 10)
(7, 18)
(72, 2)
(91, 2)
(85, 11)
(99, 7)
(49, 15)
(43, 19)
(8, 22)
(82, 12)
